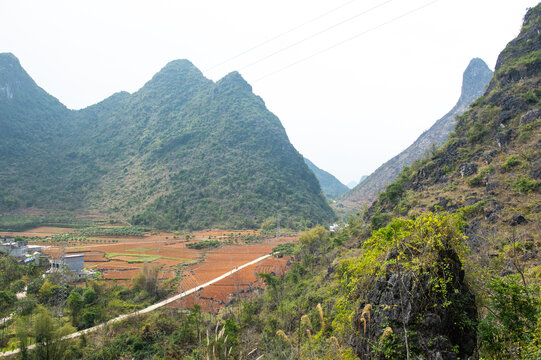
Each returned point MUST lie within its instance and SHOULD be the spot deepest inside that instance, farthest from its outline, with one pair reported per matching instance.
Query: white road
(148, 309)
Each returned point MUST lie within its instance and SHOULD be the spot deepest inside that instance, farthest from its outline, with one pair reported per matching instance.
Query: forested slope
(181, 152)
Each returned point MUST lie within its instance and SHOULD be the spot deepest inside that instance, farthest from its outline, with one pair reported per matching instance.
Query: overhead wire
(257, 46)
(364, 12)
(347, 40)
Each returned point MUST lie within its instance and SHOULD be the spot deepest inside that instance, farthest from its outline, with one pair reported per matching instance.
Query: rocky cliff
(475, 79)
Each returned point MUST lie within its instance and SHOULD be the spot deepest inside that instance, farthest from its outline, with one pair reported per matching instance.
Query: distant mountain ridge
(475, 80)
(489, 170)
(181, 152)
(330, 185)
(354, 183)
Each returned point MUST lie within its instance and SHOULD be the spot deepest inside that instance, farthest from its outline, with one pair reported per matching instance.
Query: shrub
(18, 286)
(512, 319)
(468, 212)
(419, 246)
(524, 185)
(7, 298)
(479, 179)
(477, 132)
(379, 220)
(286, 249)
(204, 244)
(511, 162)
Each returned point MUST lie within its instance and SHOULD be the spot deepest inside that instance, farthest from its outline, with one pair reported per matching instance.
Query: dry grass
(388, 331)
(321, 318)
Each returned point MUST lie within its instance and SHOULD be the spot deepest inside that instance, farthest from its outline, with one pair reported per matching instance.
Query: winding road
(147, 309)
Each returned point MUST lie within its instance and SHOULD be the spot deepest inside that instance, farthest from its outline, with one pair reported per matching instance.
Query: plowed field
(121, 258)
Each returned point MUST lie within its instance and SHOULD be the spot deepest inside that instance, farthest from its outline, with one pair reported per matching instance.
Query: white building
(75, 263)
(18, 249)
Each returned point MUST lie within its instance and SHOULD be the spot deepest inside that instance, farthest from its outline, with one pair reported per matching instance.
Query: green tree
(511, 320)
(89, 317)
(44, 329)
(268, 225)
(21, 331)
(48, 335)
(313, 239)
(89, 296)
(75, 305)
(7, 299)
(148, 280)
(9, 271)
(46, 292)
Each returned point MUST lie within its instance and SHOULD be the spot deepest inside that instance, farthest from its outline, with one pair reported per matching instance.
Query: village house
(74, 266)
(20, 249)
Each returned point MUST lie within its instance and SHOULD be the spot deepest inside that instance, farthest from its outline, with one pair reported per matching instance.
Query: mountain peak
(233, 80)
(16, 84)
(179, 69)
(180, 65)
(520, 58)
(474, 80)
(176, 77)
(9, 58)
(10, 67)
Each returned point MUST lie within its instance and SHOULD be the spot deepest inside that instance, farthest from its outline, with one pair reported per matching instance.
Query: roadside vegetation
(323, 307)
(49, 310)
(444, 265)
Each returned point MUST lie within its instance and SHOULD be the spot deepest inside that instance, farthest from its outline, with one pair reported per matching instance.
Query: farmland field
(121, 257)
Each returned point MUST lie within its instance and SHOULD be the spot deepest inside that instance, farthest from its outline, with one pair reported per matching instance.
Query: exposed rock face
(528, 41)
(518, 219)
(475, 80)
(530, 116)
(439, 325)
(482, 184)
(467, 169)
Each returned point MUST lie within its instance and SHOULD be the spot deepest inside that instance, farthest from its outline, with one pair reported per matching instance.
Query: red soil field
(121, 258)
(238, 286)
(241, 284)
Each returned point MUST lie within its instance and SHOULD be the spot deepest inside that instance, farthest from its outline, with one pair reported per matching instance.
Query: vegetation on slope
(400, 281)
(489, 172)
(330, 185)
(321, 308)
(182, 152)
(475, 80)
(34, 318)
(489, 168)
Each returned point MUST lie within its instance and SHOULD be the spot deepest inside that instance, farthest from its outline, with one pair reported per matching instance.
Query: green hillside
(182, 152)
(33, 151)
(474, 82)
(330, 185)
(490, 167)
(444, 266)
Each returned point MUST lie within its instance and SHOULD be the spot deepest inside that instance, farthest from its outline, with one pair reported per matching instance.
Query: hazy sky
(382, 72)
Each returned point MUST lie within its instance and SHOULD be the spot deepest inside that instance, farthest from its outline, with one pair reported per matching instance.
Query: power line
(347, 40)
(316, 34)
(257, 46)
